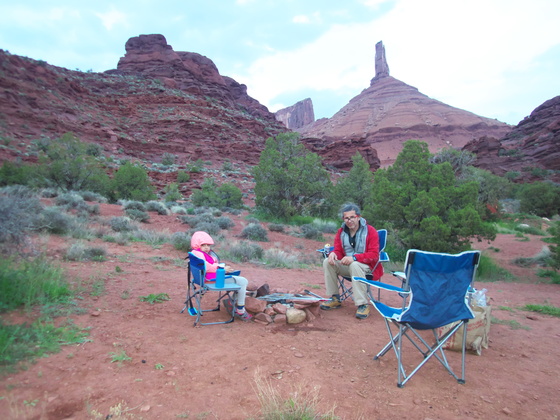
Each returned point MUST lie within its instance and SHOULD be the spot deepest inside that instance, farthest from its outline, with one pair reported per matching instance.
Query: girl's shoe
(243, 316)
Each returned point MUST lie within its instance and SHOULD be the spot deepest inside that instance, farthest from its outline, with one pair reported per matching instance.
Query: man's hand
(332, 258)
(347, 260)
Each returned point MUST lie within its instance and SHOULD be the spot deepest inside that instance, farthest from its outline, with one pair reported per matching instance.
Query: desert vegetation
(434, 202)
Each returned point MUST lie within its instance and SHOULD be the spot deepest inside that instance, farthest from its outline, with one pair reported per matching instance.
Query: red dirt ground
(210, 372)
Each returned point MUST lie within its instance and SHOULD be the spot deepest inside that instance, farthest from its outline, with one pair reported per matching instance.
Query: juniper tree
(426, 205)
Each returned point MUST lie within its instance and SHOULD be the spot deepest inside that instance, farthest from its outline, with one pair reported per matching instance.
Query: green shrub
(276, 227)
(131, 182)
(139, 215)
(134, 205)
(311, 232)
(183, 177)
(172, 193)
(78, 251)
(254, 232)
(276, 258)
(289, 179)
(31, 282)
(168, 159)
(211, 227)
(157, 206)
(54, 220)
(122, 224)
(212, 195)
(70, 200)
(181, 241)
(18, 214)
(540, 198)
(244, 251)
(224, 222)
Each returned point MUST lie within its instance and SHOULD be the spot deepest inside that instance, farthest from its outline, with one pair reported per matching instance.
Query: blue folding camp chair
(197, 287)
(436, 292)
(345, 283)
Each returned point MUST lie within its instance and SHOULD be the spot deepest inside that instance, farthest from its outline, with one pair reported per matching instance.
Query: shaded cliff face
(390, 112)
(157, 101)
(533, 145)
(298, 115)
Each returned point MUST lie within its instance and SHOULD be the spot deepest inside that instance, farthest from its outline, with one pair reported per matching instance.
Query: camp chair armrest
(381, 285)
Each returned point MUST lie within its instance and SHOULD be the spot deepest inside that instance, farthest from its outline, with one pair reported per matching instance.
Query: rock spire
(381, 66)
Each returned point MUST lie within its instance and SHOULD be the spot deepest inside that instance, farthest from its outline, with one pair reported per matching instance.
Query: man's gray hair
(349, 207)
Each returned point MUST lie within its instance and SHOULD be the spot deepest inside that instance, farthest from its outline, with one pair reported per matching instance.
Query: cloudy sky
(497, 58)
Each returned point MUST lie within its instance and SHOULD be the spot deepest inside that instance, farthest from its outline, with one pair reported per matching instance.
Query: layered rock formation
(531, 146)
(298, 115)
(150, 55)
(390, 112)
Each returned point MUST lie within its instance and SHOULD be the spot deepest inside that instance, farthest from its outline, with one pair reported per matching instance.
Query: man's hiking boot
(362, 312)
(332, 304)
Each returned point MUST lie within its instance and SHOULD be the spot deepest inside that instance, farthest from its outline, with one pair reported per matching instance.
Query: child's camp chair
(197, 288)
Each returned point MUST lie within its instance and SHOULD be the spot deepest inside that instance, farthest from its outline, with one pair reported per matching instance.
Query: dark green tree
(425, 204)
(67, 164)
(131, 182)
(290, 180)
(356, 186)
(212, 195)
(555, 249)
(491, 188)
(540, 198)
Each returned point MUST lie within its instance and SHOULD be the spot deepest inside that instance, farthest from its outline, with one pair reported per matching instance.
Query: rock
(254, 305)
(298, 115)
(280, 319)
(388, 113)
(263, 318)
(263, 290)
(295, 316)
(381, 66)
(279, 308)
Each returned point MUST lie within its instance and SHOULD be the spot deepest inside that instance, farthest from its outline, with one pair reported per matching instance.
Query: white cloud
(458, 52)
(300, 19)
(112, 18)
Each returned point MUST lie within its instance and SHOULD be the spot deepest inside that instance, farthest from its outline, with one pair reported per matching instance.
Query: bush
(131, 182)
(276, 258)
(78, 251)
(168, 159)
(138, 215)
(254, 232)
(224, 222)
(31, 282)
(181, 241)
(212, 195)
(276, 227)
(18, 214)
(540, 198)
(157, 206)
(92, 196)
(70, 200)
(244, 251)
(183, 177)
(134, 205)
(211, 227)
(55, 221)
(311, 232)
(426, 204)
(122, 224)
(289, 179)
(172, 193)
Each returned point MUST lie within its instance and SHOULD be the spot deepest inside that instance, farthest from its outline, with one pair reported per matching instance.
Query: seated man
(356, 251)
